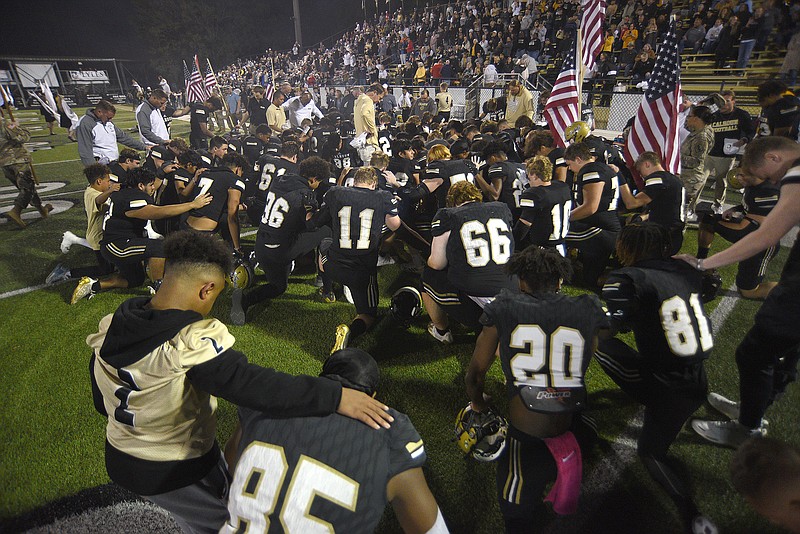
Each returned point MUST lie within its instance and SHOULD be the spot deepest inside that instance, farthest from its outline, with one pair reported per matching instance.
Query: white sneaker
(727, 433)
(703, 525)
(83, 289)
(67, 240)
(59, 274)
(385, 260)
(348, 295)
(151, 233)
(727, 407)
(724, 405)
(445, 338)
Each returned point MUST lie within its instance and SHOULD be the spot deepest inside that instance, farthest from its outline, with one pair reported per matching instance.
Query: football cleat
(83, 289)
(242, 276)
(238, 311)
(406, 305)
(577, 131)
(59, 274)
(727, 433)
(342, 338)
(445, 338)
(328, 298)
(67, 240)
(481, 434)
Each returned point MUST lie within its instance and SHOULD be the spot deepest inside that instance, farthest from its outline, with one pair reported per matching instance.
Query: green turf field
(52, 443)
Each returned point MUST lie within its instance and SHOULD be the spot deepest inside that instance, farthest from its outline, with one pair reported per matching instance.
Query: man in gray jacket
(98, 136)
(152, 127)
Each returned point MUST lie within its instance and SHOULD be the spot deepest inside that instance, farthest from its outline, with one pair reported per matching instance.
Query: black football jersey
(556, 157)
(358, 216)
(216, 182)
(479, 246)
(346, 157)
(267, 169)
(403, 170)
(606, 215)
(118, 174)
(667, 199)
(451, 172)
(167, 194)
(317, 470)
(547, 339)
(252, 148)
(385, 137)
(117, 225)
(547, 209)
(660, 301)
(199, 114)
(760, 199)
(284, 215)
(515, 181)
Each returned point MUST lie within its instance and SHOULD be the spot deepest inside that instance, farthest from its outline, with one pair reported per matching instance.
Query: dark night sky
(94, 28)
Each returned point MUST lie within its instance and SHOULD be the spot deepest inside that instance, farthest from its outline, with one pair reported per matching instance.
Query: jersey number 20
(558, 363)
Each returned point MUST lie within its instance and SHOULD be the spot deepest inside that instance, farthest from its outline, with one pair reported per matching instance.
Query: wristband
(699, 265)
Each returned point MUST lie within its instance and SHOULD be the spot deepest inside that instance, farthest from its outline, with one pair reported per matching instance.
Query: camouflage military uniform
(694, 150)
(15, 161)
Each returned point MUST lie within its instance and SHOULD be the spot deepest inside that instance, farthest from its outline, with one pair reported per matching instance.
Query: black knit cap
(354, 368)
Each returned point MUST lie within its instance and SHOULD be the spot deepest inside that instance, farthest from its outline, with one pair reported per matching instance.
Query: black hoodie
(136, 333)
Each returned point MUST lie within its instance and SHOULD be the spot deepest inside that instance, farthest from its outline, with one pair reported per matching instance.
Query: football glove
(481, 434)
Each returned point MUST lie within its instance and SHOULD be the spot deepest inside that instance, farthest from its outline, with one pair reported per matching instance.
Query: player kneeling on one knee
(534, 330)
(352, 470)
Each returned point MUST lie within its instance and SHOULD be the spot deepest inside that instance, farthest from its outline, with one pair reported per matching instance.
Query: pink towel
(567, 454)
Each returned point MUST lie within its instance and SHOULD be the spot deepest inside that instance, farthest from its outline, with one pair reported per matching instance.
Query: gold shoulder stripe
(138, 204)
(591, 176)
(411, 446)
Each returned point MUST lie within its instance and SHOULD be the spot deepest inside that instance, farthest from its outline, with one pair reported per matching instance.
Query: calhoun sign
(89, 76)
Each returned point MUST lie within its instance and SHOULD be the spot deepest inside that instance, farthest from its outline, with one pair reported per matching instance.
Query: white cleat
(446, 338)
(726, 433)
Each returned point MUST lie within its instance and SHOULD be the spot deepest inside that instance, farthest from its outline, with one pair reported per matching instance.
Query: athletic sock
(96, 287)
(702, 252)
(357, 327)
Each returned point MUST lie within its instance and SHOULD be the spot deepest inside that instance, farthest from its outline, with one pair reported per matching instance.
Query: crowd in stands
(458, 43)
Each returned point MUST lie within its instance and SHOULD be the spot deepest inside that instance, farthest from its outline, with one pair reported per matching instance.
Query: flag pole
(579, 63)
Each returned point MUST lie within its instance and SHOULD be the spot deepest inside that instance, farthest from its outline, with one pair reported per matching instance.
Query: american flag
(594, 14)
(269, 82)
(210, 79)
(195, 90)
(655, 127)
(564, 105)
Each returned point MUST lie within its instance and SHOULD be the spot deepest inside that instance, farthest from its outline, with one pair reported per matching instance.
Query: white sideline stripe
(52, 162)
(125, 516)
(22, 291)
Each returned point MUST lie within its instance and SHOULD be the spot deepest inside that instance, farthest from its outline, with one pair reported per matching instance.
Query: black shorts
(455, 303)
(358, 273)
(128, 254)
(276, 260)
(526, 467)
(591, 240)
(752, 270)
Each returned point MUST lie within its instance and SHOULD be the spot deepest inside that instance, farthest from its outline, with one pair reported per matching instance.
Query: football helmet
(732, 178)
(481, 434)
(242, 276)
(710, 285)
(406, 305)
(577, 131)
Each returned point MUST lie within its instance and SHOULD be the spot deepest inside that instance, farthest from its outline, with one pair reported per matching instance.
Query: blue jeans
(745, 49)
